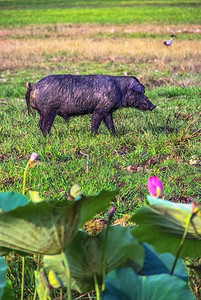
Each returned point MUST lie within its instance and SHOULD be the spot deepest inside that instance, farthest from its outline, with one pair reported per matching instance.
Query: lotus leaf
(10, 201)
(124, 284)
(3, 269)
(156, 263)
(43, 228)
(163, 225)
(8, 292)
(85, 257)
(42, 285)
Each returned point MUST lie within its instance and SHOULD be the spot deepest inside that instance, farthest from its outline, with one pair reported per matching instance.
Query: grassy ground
(20, 13)
(165, 142)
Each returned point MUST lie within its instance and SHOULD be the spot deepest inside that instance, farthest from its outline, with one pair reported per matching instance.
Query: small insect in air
(169, 42)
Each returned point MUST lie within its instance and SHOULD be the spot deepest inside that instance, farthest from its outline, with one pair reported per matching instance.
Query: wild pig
(74, 95)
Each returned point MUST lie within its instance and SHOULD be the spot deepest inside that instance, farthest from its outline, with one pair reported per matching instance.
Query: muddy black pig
(74, 95)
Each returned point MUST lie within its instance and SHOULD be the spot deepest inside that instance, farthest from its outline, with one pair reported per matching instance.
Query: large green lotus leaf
(85, 257)
(153, 229)
(42, 285)
(8, 202)
(39, 228)
(178, 214)
(4, 251)
(95, 204)
(3, 270)
(11, 200)
(156, 263)
(8, 292)
(163, 227)
(91, 205)
(43, 228)
(125, 284)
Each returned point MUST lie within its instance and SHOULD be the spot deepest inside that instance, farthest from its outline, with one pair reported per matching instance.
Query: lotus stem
(104, 256)
(35, 293)
(66, 265)
(181, 243)
(31, 162)
(111, 214)
(24, 179)
(22, 287)
(33, 157)
(38, 268)
(23, 258)
(97, 288)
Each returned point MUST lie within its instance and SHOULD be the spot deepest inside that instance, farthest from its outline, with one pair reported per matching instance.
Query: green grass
(118, 14)
(91, 3)
(164, 135)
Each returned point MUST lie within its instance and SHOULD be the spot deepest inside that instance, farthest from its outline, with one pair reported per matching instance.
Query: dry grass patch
(184, 55)
(89, 30)
(53, 46)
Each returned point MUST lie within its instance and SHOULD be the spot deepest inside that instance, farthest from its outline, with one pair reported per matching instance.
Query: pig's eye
(136, 93)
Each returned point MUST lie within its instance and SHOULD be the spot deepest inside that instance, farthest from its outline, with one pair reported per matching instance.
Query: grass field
(118, 12)
(117, 38)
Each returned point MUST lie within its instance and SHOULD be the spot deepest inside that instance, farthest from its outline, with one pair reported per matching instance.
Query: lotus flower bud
(111, 212)
(155, 187)
(32, 159)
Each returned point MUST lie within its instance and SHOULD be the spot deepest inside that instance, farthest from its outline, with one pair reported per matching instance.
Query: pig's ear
(140, 89)
(137, 86)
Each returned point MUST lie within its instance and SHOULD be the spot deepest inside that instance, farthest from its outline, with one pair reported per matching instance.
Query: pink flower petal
(155, 187)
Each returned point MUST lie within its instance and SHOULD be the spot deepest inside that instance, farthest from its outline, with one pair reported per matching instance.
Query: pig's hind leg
(46, 121)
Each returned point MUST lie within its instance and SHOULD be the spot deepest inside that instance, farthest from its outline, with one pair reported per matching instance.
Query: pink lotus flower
(155, 187)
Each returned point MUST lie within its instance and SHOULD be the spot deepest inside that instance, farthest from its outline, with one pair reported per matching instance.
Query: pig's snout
(152, 107)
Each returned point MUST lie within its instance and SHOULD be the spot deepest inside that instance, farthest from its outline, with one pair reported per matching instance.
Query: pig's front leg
(96, 120)
(109, 123)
